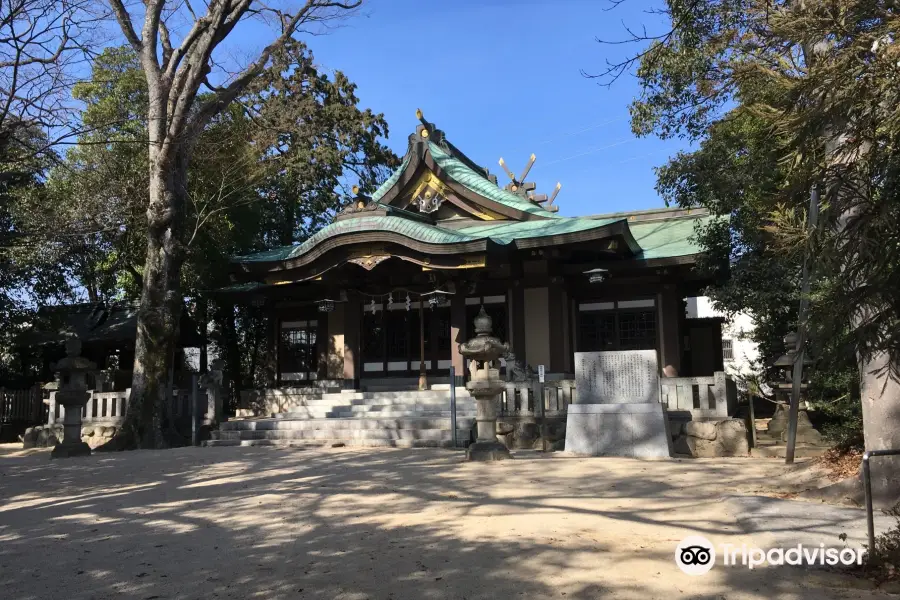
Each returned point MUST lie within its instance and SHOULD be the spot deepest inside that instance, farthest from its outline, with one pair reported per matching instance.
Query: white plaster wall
(737, 329)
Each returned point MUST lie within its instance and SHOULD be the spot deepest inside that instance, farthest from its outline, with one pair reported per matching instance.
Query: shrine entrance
(392, 339)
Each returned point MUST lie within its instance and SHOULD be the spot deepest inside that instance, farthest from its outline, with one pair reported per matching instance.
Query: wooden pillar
(457, 335)
(335, 354)
(668, 327)
(352, 322)
(516, 305)
(322, 344)
(556, 318)
(423, 379)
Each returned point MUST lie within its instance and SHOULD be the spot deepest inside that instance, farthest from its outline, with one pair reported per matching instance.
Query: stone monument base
(70, 450)
(634, 430)
(487, 451)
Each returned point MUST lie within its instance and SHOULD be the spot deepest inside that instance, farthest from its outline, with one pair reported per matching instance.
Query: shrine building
(383, 294)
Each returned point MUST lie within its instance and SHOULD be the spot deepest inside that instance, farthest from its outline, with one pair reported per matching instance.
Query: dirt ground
(199, 523)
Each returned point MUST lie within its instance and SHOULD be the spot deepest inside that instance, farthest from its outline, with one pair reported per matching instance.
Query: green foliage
(778, 97)
(268, 170)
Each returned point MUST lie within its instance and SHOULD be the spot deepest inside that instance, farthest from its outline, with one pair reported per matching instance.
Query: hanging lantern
(408, 302)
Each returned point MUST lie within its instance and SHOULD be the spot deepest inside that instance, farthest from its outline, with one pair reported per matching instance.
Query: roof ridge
(502, 196)
(673, 213)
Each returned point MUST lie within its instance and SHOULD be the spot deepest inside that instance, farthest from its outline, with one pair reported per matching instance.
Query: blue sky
(502, 78)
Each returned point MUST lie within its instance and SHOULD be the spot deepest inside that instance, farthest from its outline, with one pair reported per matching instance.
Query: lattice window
(398, 326)
(373, 337)
(727, 349)
(442, 320)
(597, 331)
(298, 349)
(637, 330)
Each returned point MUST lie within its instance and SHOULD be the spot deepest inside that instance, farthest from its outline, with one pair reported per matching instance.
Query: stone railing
(109, 408)
(524, 398)
(703, 397)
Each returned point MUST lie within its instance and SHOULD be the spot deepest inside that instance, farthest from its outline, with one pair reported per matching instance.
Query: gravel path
(199, 523)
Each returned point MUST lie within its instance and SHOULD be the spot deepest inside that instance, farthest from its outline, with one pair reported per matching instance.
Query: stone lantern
(73, 395)
(485, 385)
(777, 427)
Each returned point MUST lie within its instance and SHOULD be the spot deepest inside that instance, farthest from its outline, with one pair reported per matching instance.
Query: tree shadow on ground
(267, 523)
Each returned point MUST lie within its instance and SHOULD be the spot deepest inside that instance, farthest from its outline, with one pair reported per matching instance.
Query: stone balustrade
(703, 397)
(109, 408)
(524, 398)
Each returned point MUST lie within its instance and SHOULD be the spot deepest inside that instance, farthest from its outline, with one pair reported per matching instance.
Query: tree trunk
(160, 310)
(880, 393)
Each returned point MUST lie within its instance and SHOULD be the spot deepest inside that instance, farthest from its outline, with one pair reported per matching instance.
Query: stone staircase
(768, 446)
(400, 419)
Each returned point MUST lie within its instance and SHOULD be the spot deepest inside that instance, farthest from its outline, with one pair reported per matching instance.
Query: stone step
(397, 395)
(383, 443)
(800, 451)
(373, 412)
(335, 424)
(436, 435)
(325, 402)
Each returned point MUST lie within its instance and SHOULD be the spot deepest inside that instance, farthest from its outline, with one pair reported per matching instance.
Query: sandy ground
(388, 524)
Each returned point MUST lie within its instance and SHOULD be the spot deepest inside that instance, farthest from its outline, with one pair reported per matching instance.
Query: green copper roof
(465, 176)
(666, 238)
(504, 232)
(416, 230)
(389, 183)
(500, 232)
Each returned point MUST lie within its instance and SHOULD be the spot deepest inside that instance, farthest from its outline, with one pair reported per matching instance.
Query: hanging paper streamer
(408, 303)
(390, 299)
(372, 305)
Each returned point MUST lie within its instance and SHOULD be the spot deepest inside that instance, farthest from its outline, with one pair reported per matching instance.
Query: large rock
(713, 439)
(705, 430)
(526, 433)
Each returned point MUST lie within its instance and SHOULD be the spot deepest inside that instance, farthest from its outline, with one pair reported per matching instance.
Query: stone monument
(618, 412)
(485, 384)
(73, 395)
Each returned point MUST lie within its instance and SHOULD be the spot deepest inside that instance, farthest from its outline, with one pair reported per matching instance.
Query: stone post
(211, 381)
(73, 395)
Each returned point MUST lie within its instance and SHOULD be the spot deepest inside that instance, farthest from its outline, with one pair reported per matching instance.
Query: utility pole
(797, 375)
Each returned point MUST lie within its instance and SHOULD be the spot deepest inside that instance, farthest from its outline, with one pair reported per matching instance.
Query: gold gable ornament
(429, 193)
(369, 262)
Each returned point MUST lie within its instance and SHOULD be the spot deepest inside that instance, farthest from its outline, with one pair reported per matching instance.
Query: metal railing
(867, 485)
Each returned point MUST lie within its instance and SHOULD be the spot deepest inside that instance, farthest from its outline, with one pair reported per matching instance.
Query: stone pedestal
(486, 447)
(618, 411)
(633, 430)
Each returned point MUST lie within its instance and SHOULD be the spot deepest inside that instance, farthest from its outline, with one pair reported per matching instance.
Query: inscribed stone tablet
(619, 377)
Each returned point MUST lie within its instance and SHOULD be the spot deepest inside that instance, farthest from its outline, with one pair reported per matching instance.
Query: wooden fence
(22, 406)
